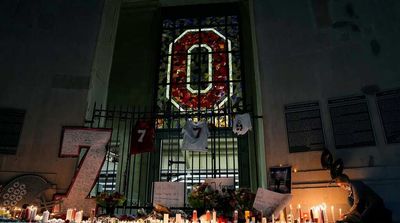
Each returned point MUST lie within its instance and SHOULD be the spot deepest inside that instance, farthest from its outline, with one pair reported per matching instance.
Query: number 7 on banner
(73, 140)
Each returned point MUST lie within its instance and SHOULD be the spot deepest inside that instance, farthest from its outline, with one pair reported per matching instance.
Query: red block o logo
(215, 91)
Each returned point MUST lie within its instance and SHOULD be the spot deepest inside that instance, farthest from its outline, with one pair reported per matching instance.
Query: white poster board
(269, 202)
(220, 183)
(170, 194)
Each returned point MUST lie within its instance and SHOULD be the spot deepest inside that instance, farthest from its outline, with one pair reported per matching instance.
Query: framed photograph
(280, 179)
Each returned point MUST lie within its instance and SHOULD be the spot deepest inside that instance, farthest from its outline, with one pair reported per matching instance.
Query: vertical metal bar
(212, 149)
(134, 159)
(169, 149)
(200, 164)
(148, 157)
(207, 156)
(255, 152)
(219, 141)
(100, 116)
(117, 140)
(192, 157)
(140, 167)
(108, 148)
(162, 150)
(93, 115)
(129, 119)
(226, 148)
(234, 159)
(178, 152)
(146, 188)
(113, 175)
(91, 126)
(121, 153)
(199, 79)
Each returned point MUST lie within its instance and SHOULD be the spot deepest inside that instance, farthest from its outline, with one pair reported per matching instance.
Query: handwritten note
(170, 194)
(220, 183)
(270, 202)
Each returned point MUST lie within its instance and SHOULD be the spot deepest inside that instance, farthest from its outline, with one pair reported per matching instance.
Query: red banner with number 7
(142, 139)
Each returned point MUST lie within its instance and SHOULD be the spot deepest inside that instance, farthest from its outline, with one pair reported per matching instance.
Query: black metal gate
(133, 175)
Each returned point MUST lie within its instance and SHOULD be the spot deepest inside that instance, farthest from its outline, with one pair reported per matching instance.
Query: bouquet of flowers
(203, 197)
(226, 201)
(106, 199)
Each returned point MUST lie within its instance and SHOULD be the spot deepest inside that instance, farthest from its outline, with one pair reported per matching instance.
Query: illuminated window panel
(200, 64)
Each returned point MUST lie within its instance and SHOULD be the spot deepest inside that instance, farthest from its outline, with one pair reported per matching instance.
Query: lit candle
(324, 208)
(235, 216)
(78, 216)
(27, 214)
(73, 213)
(264, 220)
(322, 216)
(282, 217)
(17, 212)
(178, 218)
(208, 216)
(333, 213)
(194, 216)
(33, 213)
(166, 218)
(247, 216)
(299, 213)
(46, 215)
(92, 214)
(340, 212)
(305, 217)
(273, 218)
(69, 214)
(214, 216)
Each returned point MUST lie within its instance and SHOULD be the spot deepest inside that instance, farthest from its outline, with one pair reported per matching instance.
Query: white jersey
(241, 124)
(195, 136)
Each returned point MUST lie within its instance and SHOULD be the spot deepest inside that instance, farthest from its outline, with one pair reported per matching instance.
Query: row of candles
(74, 216)
(28, 214)
(317, 214)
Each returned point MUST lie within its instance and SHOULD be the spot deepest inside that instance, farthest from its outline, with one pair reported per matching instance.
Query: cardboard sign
(269, 202)
(170, 194)
(220, 183)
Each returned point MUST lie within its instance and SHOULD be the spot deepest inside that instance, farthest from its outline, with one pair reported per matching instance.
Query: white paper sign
(220, 183)
(170, 194)
(269, 202)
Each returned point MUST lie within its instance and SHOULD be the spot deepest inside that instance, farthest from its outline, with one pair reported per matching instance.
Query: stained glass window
(199, 78)
(200, 67)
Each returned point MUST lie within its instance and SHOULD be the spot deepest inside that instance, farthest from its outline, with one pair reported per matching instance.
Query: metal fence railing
(133, 175)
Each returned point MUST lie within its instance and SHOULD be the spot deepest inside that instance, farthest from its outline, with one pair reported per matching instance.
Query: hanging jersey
(195, 136)
(142, 137)
(241, 124)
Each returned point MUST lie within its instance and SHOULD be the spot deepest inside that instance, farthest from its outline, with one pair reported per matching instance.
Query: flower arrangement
(226, 201)
(106, 199)
(203, 197)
